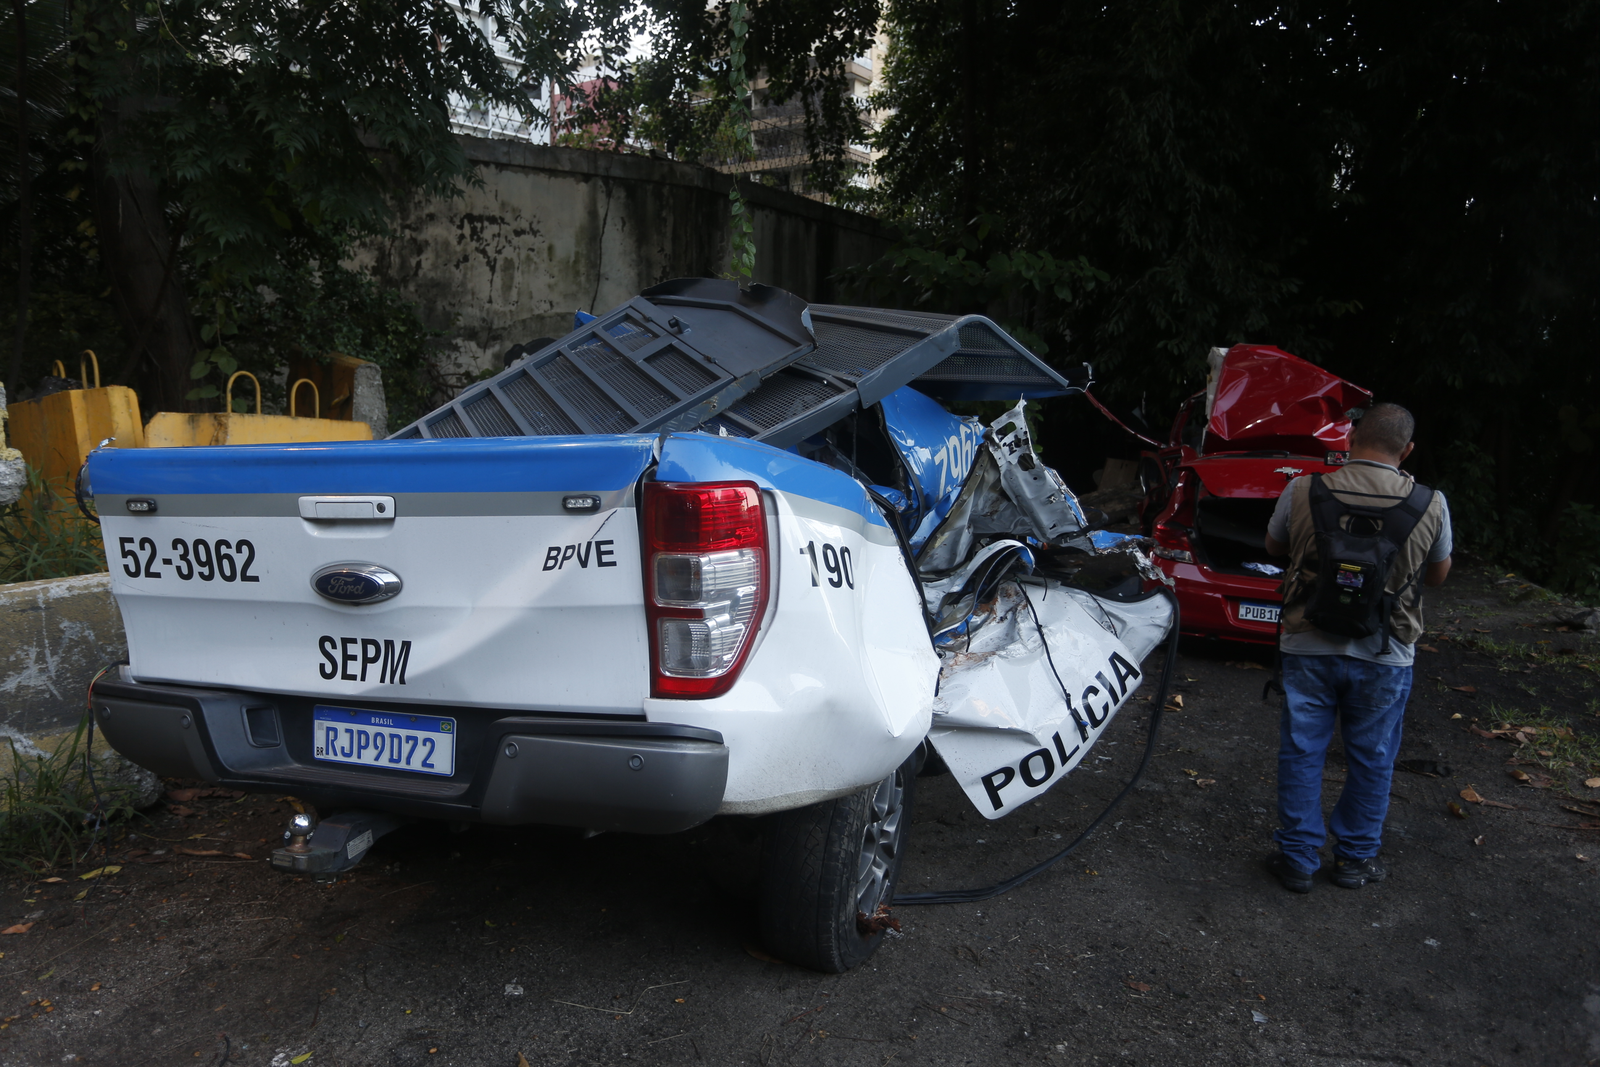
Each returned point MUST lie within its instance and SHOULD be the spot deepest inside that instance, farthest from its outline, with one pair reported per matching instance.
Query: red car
(1265, 418)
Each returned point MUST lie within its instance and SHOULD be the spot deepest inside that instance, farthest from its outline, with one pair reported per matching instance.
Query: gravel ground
(1163, 941)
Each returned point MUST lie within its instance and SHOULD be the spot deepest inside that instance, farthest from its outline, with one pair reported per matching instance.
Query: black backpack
(1350, 596)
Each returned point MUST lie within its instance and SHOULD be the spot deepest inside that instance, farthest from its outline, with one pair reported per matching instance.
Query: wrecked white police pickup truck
(716, 552)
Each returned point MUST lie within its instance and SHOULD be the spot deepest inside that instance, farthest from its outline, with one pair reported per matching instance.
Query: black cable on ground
(972, 896)
(82, 497)
(100, 814)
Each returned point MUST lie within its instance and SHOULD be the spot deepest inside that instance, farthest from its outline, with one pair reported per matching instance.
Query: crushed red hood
(1268, 399)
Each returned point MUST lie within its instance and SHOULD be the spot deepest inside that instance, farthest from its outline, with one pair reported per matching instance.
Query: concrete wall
(54, 635)
(554, 230)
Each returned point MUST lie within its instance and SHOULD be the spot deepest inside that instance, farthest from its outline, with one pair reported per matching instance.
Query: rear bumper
(1210, 602)
(611, 774)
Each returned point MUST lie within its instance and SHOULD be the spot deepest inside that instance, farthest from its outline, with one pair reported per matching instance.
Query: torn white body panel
(1033, 670)
(1011, 719)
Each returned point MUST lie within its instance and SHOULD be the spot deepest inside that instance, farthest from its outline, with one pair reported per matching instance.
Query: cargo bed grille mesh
(491, 418)
(448, 425)
(623, 375)
(1009, 369)
(537, 408)
(681, 371)
(629, 335)
(784, 396)
(980, 338)
(590, 402)
(852, 352)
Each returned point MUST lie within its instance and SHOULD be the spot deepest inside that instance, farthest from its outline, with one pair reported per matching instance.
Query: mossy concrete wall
(550, 231)
(54, 636)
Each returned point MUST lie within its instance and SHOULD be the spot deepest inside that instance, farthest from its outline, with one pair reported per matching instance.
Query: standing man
(1333, 674)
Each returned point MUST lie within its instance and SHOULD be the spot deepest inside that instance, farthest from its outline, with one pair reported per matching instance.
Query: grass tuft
(43, 535)
(48, 808)
(1570, 750)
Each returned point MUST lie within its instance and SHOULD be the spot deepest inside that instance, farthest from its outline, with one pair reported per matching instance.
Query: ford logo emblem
(356, 583)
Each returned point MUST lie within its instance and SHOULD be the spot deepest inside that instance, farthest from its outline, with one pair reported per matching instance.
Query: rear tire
(827, 869)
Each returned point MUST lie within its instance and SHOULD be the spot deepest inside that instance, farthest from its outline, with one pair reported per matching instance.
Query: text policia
(1037, 768)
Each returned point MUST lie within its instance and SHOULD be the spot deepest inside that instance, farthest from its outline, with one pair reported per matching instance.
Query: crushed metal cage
(756, 363)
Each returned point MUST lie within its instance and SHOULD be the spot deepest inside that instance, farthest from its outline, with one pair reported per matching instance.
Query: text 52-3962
(206, 560)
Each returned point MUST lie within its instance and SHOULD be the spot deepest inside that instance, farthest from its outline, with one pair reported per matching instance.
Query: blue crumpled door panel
(937, 448)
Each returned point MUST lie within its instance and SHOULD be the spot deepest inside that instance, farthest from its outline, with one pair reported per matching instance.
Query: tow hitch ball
(335, 844)
(301, 827)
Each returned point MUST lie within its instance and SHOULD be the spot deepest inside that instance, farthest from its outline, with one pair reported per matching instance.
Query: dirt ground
(1163, 941)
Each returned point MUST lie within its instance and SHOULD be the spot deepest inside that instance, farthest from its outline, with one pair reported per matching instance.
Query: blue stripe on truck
(472, 465)
(699, 457)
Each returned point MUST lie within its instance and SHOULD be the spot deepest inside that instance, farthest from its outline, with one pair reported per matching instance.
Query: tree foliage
(681, 97)
(191, 157)
(1404, 193)
(219, 145)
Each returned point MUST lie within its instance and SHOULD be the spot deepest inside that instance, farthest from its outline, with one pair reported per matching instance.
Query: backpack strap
(1398, 524)
(1275, 679)
(1326, 509)
(1401, 519)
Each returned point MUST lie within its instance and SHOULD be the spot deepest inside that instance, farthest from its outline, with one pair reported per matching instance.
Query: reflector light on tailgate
(705, 572)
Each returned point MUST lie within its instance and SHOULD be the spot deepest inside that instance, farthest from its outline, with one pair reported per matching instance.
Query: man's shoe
(1293, 878)
(1353, 874)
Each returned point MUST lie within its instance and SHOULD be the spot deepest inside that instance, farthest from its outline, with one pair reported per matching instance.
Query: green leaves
(279, 131)
(1028, 292)
(741, 231)
(1402, 192)
(742, 244)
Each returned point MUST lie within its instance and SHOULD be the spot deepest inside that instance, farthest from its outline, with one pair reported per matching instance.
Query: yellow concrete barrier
(56, 433)
(176, 429)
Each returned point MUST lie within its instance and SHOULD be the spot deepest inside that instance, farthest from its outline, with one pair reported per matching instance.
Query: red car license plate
(1254, 611)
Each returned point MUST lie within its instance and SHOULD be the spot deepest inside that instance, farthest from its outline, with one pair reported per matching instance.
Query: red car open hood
(1269, 399)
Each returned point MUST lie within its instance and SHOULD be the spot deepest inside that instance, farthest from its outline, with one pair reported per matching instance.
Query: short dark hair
(1385, 427)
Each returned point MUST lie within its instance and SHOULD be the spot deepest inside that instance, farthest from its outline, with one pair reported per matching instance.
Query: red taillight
(1172, 542)
(705, 571)
(703, 518)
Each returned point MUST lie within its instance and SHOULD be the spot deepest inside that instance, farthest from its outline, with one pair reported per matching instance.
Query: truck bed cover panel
(702, 353)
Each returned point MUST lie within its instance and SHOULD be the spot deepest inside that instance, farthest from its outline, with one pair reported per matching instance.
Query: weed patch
(1550, 741)
(48, 808)
(1490, 647)
(43, 535)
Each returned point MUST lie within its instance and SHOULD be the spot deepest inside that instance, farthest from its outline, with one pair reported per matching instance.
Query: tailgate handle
(347, 508)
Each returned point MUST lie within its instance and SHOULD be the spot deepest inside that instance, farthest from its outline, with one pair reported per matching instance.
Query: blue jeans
(1368, 702)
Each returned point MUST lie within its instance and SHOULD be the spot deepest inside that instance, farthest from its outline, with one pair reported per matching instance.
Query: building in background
(782, 156)
(479, 118)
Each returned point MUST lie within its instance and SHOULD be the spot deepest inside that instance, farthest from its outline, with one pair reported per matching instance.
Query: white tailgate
(515, 611)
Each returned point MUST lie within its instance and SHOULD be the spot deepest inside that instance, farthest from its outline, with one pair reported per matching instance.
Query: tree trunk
(1503, 472)
(24, 207)
(1578, 474)
(139, 252)
(972, 56)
